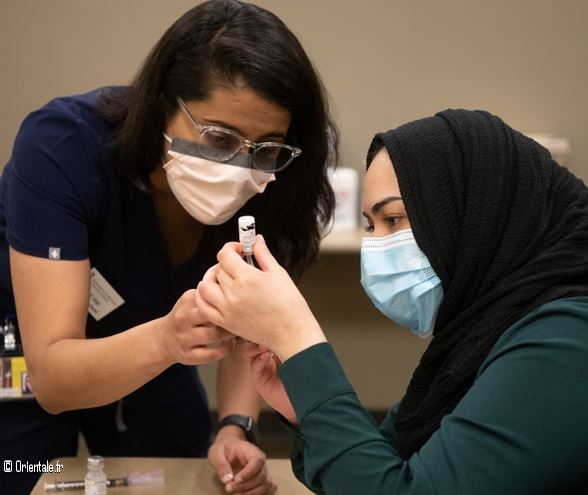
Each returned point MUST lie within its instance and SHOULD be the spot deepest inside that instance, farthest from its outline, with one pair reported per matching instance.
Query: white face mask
(211, 192)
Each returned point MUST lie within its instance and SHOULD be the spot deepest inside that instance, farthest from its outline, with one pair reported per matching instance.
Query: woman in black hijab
(479, 238)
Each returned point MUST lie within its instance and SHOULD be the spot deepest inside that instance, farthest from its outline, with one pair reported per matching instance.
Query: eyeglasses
(220, 144)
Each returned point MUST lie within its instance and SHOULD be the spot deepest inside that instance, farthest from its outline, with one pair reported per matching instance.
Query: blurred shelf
(342, 242)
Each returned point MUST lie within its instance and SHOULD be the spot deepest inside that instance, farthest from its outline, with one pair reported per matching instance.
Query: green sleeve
(340, 449)
(387, 427)
(520, 429)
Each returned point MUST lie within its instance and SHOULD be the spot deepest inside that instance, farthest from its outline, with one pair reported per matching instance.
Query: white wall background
(383, 61)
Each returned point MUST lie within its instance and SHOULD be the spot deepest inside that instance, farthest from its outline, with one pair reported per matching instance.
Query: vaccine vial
(95, 481)
(247, 236)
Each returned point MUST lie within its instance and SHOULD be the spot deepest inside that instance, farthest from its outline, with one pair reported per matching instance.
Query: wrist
(163, 355)
(230, 431)
(303, 337)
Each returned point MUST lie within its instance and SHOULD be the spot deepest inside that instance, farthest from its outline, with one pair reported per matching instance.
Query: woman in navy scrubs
(114, 204)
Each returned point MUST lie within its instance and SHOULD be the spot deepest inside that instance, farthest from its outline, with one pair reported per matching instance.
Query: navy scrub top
(61, 195)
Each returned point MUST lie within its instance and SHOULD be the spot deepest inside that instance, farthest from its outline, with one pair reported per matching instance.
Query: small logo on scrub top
(54, 253)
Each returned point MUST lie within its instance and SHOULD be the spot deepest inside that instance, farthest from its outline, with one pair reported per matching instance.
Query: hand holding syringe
(247, 237)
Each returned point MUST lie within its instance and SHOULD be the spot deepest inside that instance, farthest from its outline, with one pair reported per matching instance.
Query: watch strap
(247, 423)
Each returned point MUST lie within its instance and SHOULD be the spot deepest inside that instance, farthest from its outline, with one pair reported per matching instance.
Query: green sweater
(522, 428)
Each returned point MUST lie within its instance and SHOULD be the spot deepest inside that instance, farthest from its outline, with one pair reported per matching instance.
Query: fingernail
(261, 239)
(227, 477)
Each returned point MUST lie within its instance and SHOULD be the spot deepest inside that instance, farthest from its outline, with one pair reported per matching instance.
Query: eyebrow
(220, 123)
(380, 204)
(268, 136)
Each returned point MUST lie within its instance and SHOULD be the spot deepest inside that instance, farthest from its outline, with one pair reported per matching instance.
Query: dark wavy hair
(221, 43)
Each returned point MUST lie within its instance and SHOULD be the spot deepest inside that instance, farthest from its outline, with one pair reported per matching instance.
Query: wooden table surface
(182, 476)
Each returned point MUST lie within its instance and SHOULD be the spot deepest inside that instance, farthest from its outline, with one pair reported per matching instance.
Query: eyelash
(391, 220)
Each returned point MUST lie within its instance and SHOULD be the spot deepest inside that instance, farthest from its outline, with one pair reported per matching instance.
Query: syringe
(247, 236)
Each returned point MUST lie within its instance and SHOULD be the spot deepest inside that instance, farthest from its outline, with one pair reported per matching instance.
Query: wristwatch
(245, 422)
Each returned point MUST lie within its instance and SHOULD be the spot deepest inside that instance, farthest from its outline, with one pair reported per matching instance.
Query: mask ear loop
(169, 140)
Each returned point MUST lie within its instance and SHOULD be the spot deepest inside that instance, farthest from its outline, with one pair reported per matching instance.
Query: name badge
(103, 298)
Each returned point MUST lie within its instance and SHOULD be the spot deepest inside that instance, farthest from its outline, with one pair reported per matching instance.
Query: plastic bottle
(95, 481)
(345, 184)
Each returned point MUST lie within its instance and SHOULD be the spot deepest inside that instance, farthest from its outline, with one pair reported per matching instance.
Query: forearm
(235, 391)
(338, 446)
(80, 373)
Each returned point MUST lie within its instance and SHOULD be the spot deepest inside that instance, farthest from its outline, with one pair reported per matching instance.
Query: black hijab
(506, 230)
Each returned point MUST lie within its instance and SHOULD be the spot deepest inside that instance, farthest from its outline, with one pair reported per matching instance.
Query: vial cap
(246, 222)
(95, 460)
(247, 232)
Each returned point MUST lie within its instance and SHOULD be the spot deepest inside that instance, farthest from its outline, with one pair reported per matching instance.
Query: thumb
(263, 363)
(262, 254)
(224, 471)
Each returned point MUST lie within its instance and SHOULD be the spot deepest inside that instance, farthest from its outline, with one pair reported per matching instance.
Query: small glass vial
(95, 481)
(247, 236)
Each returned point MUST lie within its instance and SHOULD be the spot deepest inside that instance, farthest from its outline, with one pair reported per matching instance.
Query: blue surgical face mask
(400, 281)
